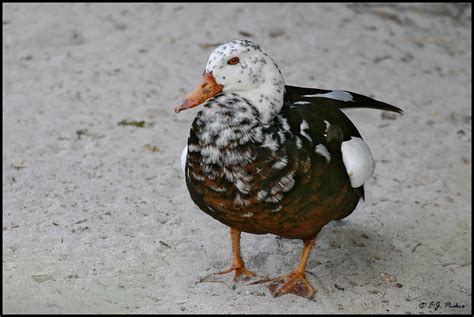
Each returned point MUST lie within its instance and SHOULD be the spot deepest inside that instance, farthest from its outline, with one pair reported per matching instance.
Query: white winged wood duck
(264, 157)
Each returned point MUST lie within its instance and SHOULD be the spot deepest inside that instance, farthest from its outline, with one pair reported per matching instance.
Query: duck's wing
(319, 114)
(342, 98)
(315, 115)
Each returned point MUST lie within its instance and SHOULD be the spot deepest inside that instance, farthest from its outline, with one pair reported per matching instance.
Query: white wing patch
(323, 151)
(299, 103)
(299, 143)
(184, 154)
(335, 94)
(328, 125)
(358, 161)
(303, 126)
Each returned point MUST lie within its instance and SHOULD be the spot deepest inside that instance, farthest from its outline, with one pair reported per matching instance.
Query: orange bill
(206, 89)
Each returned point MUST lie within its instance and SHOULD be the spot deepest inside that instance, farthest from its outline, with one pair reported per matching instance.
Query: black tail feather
(295, 93)
(361, 101)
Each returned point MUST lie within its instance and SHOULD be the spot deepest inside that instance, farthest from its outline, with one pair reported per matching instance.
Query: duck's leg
(295, 282)
(238, 265)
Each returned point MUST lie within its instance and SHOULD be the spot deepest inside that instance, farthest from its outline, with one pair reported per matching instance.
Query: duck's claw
(293, 283)
(240, 273)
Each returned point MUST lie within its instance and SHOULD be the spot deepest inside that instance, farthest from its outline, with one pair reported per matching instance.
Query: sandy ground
(97, 217)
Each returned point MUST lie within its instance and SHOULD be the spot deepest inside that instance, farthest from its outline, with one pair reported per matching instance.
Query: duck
(264, 157)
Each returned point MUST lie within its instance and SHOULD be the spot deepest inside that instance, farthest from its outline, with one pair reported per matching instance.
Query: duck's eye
(233, 61)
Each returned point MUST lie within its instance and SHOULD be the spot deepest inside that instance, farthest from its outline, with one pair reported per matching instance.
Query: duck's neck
(268, 97)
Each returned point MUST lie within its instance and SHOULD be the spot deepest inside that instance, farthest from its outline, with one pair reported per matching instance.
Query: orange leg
(295, 282)
(238, 265)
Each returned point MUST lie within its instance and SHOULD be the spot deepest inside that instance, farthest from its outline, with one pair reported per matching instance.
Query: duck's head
(243, 68)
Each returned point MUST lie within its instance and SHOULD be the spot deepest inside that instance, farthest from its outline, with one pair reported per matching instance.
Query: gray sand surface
(97, 217)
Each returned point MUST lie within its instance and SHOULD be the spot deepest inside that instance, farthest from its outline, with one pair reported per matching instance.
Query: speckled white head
(251, 74)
